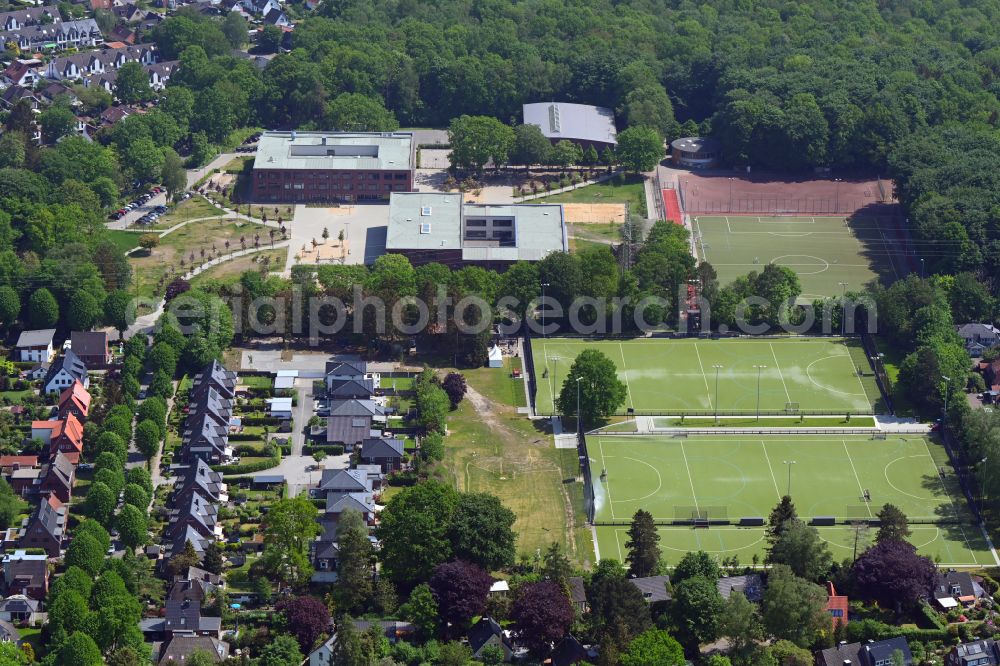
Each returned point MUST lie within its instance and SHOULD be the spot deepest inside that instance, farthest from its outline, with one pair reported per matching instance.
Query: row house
(183, 613)
(78, 34)
(158, 73)
(24, 73)
(26, 574)
(22, 18)
(198, 490)
(65, 434)
(86, 65)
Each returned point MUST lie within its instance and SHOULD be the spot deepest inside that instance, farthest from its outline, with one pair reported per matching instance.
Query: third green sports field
(727, 478)
(824, 251)
(674, 376)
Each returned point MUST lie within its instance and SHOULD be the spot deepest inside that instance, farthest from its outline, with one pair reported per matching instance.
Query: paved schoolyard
(364, 227)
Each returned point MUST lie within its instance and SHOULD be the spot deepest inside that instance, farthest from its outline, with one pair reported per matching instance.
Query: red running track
(672, 206)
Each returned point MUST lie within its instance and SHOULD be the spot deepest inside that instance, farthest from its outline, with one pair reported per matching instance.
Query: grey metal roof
(69, 362)
(335, 150)
(37, 338)
(355, 407)
(575, 122)
(382, 447)
(433, 221)
(348, 429)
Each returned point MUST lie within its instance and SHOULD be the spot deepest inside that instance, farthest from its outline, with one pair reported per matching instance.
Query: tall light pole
(544, 285)
(717, 368)
(836, 204)
(731, 179)
(578, 416)
(947, 394)
(921, 268)
(758, 368)
(789, 464)
(843, 307)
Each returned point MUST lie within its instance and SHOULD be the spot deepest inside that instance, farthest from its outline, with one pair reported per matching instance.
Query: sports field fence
(881, 376)
(685, 413)
(588, 479)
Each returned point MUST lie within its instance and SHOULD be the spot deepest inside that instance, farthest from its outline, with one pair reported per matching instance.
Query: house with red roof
(76, 401)
(836, 605)
(65, 434)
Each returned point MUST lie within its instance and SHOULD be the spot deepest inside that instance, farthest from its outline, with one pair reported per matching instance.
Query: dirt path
(487, 411)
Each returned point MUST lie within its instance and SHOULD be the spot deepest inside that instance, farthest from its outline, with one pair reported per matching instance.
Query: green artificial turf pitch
(677, 376)
(731, 477)
(823, 251)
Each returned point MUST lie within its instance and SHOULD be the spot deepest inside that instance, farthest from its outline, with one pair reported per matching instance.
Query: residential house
(129, 13)
(872, 653)
(342, 389)
(64, 434)
(958, 586)
(341, 369)
(836, 605)
(351, 421)
(208, 580)
(360, 502)
(55, 90)
(8, 100)
(26, 574)
(24, 481)
(175, 543)
(653, 588)
(978, 337)
(985, 652)
(21, 18)
(487, 632)
(92, 348)
(181, 646)
(58, 477)
(9, 633)
(65, 370)
(19, 608)
(214, 376)
(9, 464)
(35, 346)
(393, 630)
(386, 452)
(22, 73)
(122, 34)
(214, 405)
(278, 18)
(751, 586)
(45, 528)
(204, 439)
(198, 514)
(570, 651)
(38, 371)
(75, 400)
(324, 552)
(197, 477)
(183, 610)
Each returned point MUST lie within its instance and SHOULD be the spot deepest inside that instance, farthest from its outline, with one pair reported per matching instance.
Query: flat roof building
(332, 166)
(440, 227)
(580, 123)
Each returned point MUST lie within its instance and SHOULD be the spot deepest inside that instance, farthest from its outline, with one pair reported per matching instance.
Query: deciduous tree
(893, 573)
(460, 590)
(307, 618)
(653, 648)
(892, 524)
(696, 609)
(414, 532)
(793, 608)
(639, 149)
(601, 392)
(482, 531)
(542, 615)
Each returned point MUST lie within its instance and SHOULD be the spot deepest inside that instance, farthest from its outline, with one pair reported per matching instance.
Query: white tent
(947, 602)
(496, 357)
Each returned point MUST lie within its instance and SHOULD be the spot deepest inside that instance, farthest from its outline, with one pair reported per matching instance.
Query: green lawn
(766, 422)
(512, 458)
(397, 383)
(257, 381)
(231, 271)
(191, 209)
(678, 376)
(632, 192)
(823, 251)
(497, 383)
(153, 271)
(123, 240)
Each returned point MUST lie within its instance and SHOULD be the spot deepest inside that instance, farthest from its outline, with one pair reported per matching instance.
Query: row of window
(327, 175)
(347, 187)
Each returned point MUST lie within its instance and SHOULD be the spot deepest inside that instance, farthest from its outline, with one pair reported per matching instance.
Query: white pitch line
(690, 478)
(780, 373)
(607, 486)
(856, 477)
(768, 458)
(621, 350)
(952, 502)
(708, 391)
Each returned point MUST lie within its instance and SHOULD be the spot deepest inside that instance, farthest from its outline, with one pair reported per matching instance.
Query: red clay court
(774, 194)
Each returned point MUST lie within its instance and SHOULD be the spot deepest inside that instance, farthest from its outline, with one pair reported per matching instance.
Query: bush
(402, 479)
(247, 468)
(328, 449)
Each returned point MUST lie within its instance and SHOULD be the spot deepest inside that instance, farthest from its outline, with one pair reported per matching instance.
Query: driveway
(303, 412)
(364, 227)
(294, 469)
(434, 158)
(269, 360)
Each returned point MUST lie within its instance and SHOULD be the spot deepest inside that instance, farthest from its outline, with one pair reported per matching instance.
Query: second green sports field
(677, 376)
